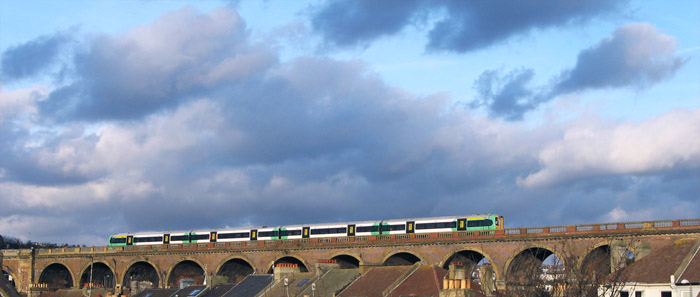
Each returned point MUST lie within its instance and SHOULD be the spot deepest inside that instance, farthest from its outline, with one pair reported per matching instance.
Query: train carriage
(337, 230)
(233, 235)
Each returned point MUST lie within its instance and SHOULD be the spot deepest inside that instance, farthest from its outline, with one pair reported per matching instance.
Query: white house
(672, 271)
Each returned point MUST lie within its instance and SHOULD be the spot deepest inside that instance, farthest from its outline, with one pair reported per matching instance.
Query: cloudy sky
(128, 116)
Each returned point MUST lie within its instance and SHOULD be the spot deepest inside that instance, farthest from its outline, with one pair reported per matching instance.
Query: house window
(638, 293)
(624, 294)
(666, 294)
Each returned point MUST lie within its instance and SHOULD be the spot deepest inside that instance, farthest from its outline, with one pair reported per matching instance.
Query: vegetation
(8, 242)
(598, 273)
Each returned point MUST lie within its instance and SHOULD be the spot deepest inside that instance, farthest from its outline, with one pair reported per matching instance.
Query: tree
(537, 272)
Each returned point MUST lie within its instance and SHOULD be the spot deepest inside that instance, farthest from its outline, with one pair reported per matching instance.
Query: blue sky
(126, 116)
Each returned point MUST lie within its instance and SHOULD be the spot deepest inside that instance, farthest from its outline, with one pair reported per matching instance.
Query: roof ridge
(435, 277)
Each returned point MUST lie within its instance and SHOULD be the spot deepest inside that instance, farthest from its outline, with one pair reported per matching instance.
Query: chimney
(457, 282)
(324, 265)
(282, 269)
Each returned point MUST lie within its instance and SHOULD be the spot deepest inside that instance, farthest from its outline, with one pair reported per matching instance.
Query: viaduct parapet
(507, 251)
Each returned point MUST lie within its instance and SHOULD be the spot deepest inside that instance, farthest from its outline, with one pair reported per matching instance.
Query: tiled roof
(250, 286)
(219, 290)
(296, 283)
(658, 266)
(190, 291)
(425, 281)
(331, 282)
(375, 281)
(156, 293)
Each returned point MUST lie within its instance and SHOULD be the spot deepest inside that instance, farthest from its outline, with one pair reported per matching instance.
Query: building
(673, 271)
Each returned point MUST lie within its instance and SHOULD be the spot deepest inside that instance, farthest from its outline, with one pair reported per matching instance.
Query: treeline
(8, 242)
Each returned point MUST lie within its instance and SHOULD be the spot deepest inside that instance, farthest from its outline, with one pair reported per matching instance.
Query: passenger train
(403, 226)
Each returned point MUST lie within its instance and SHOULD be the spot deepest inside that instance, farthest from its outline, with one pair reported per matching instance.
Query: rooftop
(375, 281)
(250, 286)
(679, 258)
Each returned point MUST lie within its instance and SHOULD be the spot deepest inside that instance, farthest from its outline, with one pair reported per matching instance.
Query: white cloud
(665, 143)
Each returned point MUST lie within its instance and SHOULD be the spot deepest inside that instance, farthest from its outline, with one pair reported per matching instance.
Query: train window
(479, 223)
(199, 236)
(328, 231)
(233, 235)
(274, 233)
(148, 239)
(442, 225)
(290, 232)
(368, 229)
(179, 238)
(394, 227)
(117, 240)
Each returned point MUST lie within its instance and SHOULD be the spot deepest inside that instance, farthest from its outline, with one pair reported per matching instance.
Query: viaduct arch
(99, 273)
(234, 268)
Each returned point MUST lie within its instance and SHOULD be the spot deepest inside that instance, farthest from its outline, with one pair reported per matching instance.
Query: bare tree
(597, 273)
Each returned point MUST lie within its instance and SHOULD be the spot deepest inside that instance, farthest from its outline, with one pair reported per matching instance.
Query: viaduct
(600, 246)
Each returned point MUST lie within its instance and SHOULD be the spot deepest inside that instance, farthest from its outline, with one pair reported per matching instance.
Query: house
(672, 271)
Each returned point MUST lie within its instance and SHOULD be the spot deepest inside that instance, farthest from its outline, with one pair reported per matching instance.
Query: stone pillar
(486, 276)
(618, 256)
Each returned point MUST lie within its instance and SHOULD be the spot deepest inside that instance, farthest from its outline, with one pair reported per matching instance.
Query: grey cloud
(506, 96)
(183, 55)
(52, 164)
(32, 57)
(635, 55)
(352, 23)
(472, 25)
(467, 25)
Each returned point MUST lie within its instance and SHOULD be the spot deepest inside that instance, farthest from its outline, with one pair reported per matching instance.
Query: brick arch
(630, 246)
(70, 271)
(229, 258)
(87, 266)
(496, 269)
(590, 249)
(548, 247)
(356, 256)
(234, 257)
(145, 260)
(421, 258)
(172, 268)
(555, 251)
(290, 255)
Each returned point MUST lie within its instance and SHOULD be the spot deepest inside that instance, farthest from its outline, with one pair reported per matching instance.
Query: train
(366, 228)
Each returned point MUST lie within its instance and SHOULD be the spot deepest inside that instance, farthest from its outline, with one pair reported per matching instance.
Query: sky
(132, 116)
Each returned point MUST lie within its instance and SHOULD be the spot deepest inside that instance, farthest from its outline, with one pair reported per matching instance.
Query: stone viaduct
(575, 246)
